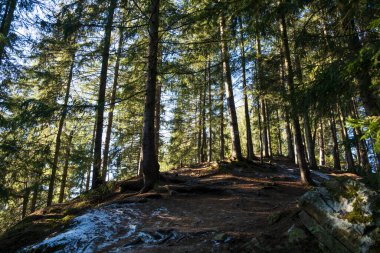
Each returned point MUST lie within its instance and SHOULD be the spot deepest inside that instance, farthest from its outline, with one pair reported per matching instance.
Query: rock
(342, 215)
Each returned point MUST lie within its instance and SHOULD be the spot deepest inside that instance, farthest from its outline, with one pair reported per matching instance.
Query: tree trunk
(97, 179)
(269, 138)
(304, 170)
(199, 127)
(59, 133)
(322, 161)
(6, 25)
(209, 112)
(279, 139)
(265, 128)
(221, 153)
(33, 204)
(25, 200)
(335, 150)
(203, 126)
(260, 130)
(236, 147)
(250, 154)
(289, 138)
(150, 166)
(88, 179)
(310, 143)
(112, 107)
(65, 168)
(346, 142)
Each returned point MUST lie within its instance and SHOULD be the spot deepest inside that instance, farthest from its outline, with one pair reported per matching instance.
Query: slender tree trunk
(25, 200)
(310, 143)
(112, 106)
(88, 179)
(269, 138)
(322, 161)
(97, 179)
(304, 170)
(289, 138)
(250, 154)
(221, 153)
(150, 166)
(199, 108)
(279, 139)
(204, 136)
(65, 168)
(157, 113)
(261, 135)
(209, 111)
(236, 147)
(6, 25)
(33, 204)
(346, 142)
(335, 150)
(265, 128)
(59, 133)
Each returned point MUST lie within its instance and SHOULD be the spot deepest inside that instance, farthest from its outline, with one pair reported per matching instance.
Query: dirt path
(239, 209)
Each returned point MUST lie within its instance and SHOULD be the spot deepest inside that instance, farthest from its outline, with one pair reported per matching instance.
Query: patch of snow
(94, 230)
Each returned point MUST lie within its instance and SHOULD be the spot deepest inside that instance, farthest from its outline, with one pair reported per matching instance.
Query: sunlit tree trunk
(88, 178)
(150, 166)
(265, 128)
(304, 170)
(289, 138)
(246, 109)
(59, 133)
(65, 168)
(97, 179)
(221, 132)
(112, 107)
(236, 147)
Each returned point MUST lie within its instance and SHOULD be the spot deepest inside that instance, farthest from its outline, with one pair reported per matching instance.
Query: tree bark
(236, 147)
(265, 128)
(250, 154)
(269, 138)
(346, 142)
(33, 204)
(65, 168)
(289, 138)
(322, 161)
(203, 125)
(221, 133)
(279, 139)
(59, 133)
(335, 150)
(112, 106)
(25, 200)
(6, 25)
(97, 179)
(209, 111)
(260, 129)
(304, 170)
(88, 179)
(150, 166)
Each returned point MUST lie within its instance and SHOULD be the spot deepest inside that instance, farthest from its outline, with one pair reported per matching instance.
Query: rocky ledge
(344, 215)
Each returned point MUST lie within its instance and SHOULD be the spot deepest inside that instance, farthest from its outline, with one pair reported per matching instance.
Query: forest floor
(224, 207)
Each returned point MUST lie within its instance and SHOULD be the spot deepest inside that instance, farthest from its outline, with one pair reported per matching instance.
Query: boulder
(343, 215)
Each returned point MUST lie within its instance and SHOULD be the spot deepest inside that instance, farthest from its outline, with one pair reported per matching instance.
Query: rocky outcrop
(344, 215)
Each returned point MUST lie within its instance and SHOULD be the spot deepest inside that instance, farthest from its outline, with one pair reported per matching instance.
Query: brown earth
(225, 207)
